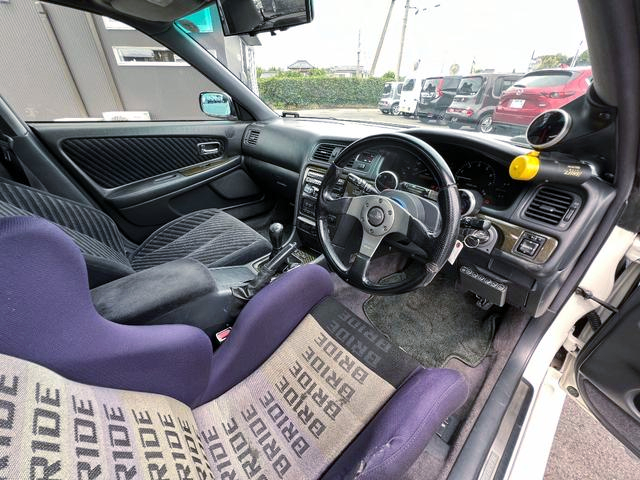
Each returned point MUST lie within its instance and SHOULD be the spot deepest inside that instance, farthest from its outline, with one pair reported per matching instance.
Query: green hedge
(320, 92)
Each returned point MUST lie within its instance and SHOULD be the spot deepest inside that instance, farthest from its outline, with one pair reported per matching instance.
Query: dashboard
(537, 229)
(397, 169)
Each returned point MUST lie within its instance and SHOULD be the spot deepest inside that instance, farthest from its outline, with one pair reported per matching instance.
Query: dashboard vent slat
(327, 152)
(549, 205)
(252, 137)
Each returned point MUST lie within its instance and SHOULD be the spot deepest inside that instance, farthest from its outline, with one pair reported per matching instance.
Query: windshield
(341, 65)
(544, 80)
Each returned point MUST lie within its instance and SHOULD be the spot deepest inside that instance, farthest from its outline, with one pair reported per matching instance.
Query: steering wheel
(431, 226)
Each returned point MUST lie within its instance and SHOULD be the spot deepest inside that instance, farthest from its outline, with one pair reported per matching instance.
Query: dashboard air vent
(549, 205)
(326, 152)
(252, 137)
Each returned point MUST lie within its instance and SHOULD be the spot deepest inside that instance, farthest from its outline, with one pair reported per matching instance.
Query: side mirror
(216, 104)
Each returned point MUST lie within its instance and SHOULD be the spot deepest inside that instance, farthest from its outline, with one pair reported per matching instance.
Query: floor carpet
(435, 323)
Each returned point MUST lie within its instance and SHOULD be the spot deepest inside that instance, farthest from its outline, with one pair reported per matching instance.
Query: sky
(498, 34)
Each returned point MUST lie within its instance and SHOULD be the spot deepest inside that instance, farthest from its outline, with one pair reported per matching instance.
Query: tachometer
(476, 175)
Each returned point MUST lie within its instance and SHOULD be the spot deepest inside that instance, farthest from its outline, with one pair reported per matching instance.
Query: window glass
(409, 84)
(451, 83)
(429, 90)
(501, 85)
(544, 80)
(470, 86)
(84, 67)
(387, 89)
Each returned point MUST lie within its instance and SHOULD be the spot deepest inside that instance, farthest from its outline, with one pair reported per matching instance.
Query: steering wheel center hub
(377, 216)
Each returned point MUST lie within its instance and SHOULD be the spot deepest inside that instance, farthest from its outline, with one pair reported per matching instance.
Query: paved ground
(584, 450)
(362, 114)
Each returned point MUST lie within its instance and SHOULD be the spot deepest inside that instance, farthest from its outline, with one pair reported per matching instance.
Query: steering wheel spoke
(423, 237)
(338, 206)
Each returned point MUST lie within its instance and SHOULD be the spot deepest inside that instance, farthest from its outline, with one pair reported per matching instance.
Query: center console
(307, 200)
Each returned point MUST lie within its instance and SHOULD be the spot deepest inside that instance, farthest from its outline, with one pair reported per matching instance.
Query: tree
(551, 61)
(389, 76)
(318, 72)
(583, 59)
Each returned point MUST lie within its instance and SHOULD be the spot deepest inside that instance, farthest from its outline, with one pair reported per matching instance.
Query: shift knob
(276, 235)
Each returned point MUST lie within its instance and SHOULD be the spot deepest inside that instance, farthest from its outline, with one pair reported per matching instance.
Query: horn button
(377, 216)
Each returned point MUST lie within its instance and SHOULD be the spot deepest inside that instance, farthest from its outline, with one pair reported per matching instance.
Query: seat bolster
(264, 324)
(394, 439)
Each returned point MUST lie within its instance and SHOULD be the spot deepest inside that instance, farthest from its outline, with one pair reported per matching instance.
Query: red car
(537, 92)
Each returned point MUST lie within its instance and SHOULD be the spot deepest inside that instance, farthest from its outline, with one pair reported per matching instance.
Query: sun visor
(158, 10)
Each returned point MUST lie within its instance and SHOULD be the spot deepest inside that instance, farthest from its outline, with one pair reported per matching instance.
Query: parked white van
(411, 95)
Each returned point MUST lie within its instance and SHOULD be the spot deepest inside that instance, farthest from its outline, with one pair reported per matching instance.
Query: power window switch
(528, 247)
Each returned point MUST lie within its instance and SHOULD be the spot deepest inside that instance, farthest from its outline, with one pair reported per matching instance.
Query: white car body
(410, 96)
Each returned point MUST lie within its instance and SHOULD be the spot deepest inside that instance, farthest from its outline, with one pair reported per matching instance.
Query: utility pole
(382, 35)
(402, 35)
(358, 66)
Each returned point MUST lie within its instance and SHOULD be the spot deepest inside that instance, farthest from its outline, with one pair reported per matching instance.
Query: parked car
(390, 100)
(410, 95)
(539, 91)
(476, 100)
(437, 94)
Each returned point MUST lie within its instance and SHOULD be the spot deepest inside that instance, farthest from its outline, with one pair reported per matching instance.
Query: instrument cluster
(398, 170)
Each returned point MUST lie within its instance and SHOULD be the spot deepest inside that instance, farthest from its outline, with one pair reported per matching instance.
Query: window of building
(149, 56)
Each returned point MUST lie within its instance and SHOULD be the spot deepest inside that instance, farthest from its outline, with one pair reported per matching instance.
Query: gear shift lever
(276, 235)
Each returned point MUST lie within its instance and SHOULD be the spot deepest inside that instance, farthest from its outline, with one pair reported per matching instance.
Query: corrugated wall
(32, 76)
(78, 39)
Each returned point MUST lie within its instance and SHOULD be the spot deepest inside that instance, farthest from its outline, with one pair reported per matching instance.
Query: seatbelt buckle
(222, 335)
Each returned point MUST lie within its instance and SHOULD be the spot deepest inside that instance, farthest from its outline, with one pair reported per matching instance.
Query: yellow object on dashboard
(525, 167)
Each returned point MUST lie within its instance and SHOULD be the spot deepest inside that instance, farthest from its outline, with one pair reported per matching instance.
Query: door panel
(608, 374)
(146, 174)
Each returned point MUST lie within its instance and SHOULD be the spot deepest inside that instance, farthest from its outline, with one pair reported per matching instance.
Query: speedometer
(476, 175)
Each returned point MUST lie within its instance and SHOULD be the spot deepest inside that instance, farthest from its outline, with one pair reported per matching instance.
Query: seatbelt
(12, 164)
(10, 160)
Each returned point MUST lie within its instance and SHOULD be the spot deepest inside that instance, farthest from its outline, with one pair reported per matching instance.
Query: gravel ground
(584, 450)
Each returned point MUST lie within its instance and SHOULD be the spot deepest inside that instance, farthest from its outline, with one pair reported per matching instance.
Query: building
(102, 69)
(348, 71)
(301, 66)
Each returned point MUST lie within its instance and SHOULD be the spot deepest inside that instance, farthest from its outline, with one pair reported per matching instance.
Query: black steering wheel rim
(448, 203)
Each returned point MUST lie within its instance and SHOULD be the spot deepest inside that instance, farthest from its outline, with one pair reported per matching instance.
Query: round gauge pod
(387, 180)
(548, 129)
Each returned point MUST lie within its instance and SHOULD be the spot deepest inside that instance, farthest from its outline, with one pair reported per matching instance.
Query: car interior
(277, 297)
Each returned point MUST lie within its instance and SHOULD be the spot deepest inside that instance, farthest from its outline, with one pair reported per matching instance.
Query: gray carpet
(435, 323)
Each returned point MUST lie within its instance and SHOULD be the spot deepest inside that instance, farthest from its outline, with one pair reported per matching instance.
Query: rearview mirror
(251, 17)
(216, 104)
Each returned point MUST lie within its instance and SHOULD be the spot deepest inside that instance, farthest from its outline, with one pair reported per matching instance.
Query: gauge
(476, 175)
(387, 180)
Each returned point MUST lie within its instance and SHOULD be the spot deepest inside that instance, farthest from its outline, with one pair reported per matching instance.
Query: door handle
(210, 148)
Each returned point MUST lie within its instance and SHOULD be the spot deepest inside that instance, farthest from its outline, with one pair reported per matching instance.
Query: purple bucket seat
(301, 389)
